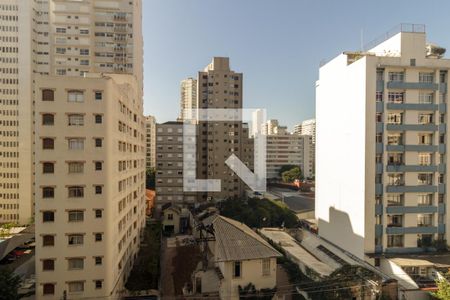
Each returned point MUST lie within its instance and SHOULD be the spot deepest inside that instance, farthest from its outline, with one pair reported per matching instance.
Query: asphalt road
(296, 201)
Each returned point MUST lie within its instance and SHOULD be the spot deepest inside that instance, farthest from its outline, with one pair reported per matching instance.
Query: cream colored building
(284, 148)
(150, 136)
(188, 98)
(90, 184)
(237, 256)
(381, 184)
(53, 37)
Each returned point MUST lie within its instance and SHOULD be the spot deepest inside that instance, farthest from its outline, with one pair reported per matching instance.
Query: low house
(237, 261)
(175, 219)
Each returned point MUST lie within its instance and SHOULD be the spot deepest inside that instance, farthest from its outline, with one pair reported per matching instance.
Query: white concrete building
(188, 98)
(307, 127)
(150, 137)
(381, 147)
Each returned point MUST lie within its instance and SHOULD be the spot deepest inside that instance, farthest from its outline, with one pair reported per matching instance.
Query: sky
(277, 44)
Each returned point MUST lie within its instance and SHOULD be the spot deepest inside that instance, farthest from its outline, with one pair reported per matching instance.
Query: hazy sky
(277, 44)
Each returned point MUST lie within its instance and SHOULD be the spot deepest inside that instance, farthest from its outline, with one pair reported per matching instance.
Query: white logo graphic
(256, 181)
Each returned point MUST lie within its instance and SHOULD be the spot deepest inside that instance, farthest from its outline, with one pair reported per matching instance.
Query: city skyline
(183, 47)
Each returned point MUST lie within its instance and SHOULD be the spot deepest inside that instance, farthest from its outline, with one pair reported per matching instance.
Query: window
(395, 179)
(395, 240)
(395, 118)
(98, 213)
(424, 240)
(76, 120)
(98, 142)
(237, 270)
(48, 143)
(98, 284)
(426, 77)
(425, 138)
(425, 159)
(75, 239)
(380, 74)
(48, 216)
(426, 98)
(425, 118)
(76, 215)
(48, 288)
(76, 167)
(48, 119)
(75, 191)
(266, 267)
(379, 117)
(98, 260)
(394, 199)
(395, 139)
(396, 76)
(424, 220)
(75, 263)
(424, 199)
(425, 179)
(98, 95)
(169, 216)
(395, 220)
(48, 240)
(98, 189)
(98, 237)
(98, 119)
(48, 192)
(48, 95)
(98, 166)
(379, 96)
(84, 51)
(396, 97)
(75, 96)
(395, 158)
(48, 264)
(48, 168)
(76, 143)
(76, 286)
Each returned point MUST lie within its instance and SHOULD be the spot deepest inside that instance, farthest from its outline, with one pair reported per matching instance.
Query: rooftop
(236, 241)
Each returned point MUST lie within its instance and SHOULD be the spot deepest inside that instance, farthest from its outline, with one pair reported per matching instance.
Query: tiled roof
(236, 241)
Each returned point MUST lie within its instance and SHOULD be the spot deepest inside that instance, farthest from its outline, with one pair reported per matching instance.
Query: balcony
(412, 106)
(411, 189)
(411, 168)
(411, 127)
(411, 209)
(406, 230)
(380, 85)
(412, 85)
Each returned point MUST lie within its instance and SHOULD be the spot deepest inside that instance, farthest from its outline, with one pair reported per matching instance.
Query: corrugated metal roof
(236, 241)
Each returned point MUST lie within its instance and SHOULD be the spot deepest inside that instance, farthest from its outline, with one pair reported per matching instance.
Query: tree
(285, 168)
(150, 178)
(443, 286)
(292, 174)
(9, 284)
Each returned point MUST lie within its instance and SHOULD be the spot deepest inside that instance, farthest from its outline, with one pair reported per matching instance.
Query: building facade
(150, 137)
(381, 147)
(188, 98)
(284, 148)
(90, 184)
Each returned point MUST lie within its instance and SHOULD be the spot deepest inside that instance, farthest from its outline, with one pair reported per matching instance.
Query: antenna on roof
(362, 39)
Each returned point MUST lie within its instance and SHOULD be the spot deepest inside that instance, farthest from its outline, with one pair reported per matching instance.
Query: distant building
(257, 119)
(175, 219)
(237, 256)
(188, 98)
(283, 148)
(150, 137)
(307, 127)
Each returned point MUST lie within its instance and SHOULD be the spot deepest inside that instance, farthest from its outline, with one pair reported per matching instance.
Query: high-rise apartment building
(50, 37)
(381, 147)
(188, 98)
(150, 137)
(90, 184)
(219, 87)
(284, 148)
